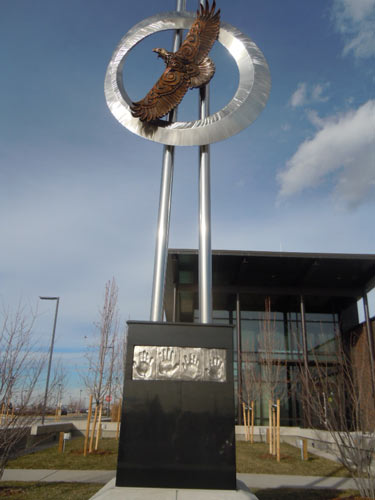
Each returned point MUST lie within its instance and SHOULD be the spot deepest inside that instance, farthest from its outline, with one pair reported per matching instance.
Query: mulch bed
(97, 452)
(353, 497)
(8, 492)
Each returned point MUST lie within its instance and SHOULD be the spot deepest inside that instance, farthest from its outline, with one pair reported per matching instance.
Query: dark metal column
(305, 355)
(370, 341)
(50, 354)
(239, 358)
(304, 335)
(174, 312)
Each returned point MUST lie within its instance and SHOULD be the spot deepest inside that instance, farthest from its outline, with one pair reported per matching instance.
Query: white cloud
(299, 96)
(344, 145)
(308, 94)
(315, 119)
(317, 92)
(355, 20)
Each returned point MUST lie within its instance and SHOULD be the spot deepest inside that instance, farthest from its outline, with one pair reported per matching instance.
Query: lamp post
(50, 353)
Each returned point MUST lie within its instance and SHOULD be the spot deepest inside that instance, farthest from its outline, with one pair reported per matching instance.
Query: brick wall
(361, 365)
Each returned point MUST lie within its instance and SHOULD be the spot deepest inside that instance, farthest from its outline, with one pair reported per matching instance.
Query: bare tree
(56, 386)
(119, 365)
(263, 370)
(334, 400)
(103, 352)
(251, 386)
(21, 366)
(273, 366)
(273, 376)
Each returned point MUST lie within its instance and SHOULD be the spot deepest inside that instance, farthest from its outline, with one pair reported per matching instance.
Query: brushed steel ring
(247, 103)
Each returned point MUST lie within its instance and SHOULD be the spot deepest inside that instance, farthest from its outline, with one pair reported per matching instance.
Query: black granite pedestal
(177, 426)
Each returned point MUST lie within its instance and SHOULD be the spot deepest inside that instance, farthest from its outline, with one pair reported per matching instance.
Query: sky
(79, 193)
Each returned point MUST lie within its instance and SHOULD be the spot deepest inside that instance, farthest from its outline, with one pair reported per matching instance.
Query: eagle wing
(173, 84)
(164, 96)
(202, 34)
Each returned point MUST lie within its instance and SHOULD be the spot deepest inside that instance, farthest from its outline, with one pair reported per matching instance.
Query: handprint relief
(179, 363)
(215, 368)
(191, 365)
(168, 362)
(142, 365)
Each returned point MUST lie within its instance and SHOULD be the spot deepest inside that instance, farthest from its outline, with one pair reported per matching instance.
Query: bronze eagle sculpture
(189, 67)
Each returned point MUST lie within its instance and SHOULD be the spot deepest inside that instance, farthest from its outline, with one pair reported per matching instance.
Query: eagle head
(164, 54)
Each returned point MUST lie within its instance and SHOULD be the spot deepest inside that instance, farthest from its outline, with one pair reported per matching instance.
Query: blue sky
(79, 193)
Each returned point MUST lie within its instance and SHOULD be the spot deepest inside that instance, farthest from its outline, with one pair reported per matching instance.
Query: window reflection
(284, 324)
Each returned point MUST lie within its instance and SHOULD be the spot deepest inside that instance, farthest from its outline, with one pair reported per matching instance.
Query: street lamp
(50, 353)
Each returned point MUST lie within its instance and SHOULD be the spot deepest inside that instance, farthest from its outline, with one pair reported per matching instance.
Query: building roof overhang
(343, 276)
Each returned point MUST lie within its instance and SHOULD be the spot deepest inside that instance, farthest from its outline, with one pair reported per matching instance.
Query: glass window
(254, 315)
(319, 317)
(220, 315)
(321, 338)
(249, 336)
(185, 277)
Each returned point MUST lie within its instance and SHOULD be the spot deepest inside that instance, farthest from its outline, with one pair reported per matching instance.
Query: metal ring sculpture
(247, 103)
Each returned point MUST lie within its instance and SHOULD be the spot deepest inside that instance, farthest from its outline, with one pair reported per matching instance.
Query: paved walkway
(265, 481)
(66, 476)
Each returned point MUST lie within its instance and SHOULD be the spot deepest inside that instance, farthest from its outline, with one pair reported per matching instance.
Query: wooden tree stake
(270, 433)
(278, 430)
(93, 429)
(87, 427)
(252, 422)
(304, 445)
(248, 423)
(61, 442)
(244, 419)
(99, 426)
(273, 431)
(118, 419)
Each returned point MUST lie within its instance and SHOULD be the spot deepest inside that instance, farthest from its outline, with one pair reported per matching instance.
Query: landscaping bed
(13, 490)
(72, 458)
(305, 494)
(255, 459)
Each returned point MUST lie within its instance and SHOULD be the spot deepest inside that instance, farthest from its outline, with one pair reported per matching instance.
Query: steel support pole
(370, 341)
(50, 360)
(165, 200)
(161, 249)
(205, 253)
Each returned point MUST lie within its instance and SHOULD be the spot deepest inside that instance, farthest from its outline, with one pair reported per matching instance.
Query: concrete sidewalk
(65, 476)
(267, 481)
(263, 481)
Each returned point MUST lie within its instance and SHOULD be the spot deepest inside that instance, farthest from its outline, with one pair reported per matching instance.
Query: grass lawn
(254, 458)
(105, 458)
(47, 491)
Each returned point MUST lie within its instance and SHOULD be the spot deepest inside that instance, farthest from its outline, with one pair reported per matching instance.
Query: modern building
(305, 298)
